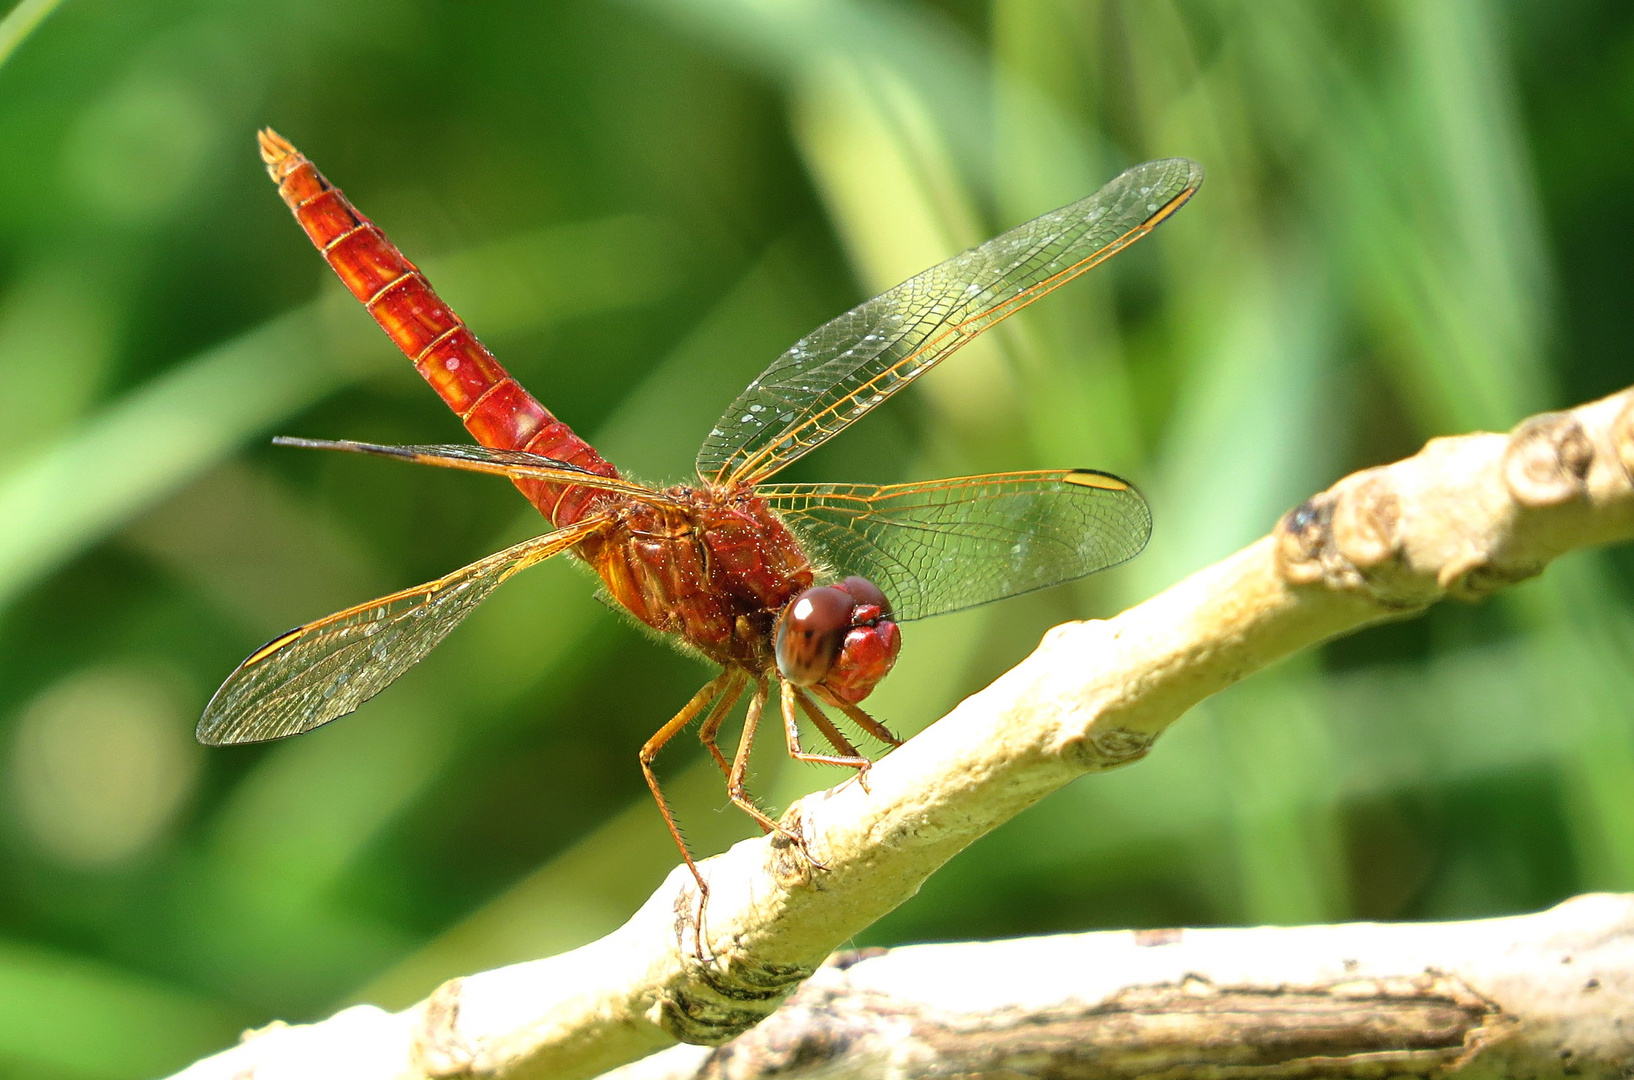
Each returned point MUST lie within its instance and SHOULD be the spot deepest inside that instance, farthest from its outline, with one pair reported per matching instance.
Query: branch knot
(724, 998)
(1347, 540)
(1547, 460)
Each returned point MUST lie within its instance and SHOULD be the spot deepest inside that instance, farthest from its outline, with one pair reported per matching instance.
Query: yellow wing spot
(1091, 478)
(273, 646)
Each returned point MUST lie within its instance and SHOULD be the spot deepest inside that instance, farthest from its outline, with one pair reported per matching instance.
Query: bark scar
(439, 1050)
(1547, 460)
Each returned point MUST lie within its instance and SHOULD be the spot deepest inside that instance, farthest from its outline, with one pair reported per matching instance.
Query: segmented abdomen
(494, 407)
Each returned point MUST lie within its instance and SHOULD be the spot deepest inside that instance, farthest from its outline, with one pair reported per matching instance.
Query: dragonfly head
(840, 636)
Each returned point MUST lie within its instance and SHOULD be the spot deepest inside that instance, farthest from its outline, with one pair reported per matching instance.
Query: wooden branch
(1532, 995)
(1464, 516)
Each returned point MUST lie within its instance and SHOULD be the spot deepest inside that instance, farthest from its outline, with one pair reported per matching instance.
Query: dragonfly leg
(848, 756)
(740, 766)
(712, 723)
(649, 751)
(862, 719)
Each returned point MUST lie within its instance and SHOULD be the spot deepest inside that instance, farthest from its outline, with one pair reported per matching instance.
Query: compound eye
(867, 593)
(810, 632)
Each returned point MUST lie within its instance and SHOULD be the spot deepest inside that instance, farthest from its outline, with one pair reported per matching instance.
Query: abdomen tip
(275, 149)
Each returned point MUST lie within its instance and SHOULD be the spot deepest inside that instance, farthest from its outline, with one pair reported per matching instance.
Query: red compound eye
(810, 633)
(866, 593)
(865, 658)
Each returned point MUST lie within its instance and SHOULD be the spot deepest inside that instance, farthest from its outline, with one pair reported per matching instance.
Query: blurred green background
(1416, 222)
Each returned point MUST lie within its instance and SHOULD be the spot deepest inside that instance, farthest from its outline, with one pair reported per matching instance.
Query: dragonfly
(795, 591)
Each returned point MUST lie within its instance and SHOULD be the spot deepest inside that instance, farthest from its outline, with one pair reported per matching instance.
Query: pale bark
(1464, 516)
(1545, 995)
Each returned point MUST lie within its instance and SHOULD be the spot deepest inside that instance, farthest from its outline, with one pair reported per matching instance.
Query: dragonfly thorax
(713, 568)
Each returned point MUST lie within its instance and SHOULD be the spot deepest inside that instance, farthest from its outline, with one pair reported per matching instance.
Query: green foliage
(1412, 226)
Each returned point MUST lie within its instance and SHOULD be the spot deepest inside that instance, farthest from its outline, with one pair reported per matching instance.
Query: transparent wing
(845, 367)
(516, 464)
(328, 668)
(950, 544)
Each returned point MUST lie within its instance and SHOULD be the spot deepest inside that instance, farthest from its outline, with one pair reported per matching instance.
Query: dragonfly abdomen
(494, 407)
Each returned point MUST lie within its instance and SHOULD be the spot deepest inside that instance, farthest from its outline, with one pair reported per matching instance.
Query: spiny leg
(717, 716)
(649, 751)
(740, 768)
(861, 719)
(851, 756)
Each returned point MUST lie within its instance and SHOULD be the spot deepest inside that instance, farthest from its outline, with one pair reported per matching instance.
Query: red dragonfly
(797, 587)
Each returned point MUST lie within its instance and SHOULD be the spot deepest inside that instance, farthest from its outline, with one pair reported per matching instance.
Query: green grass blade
(20, 22)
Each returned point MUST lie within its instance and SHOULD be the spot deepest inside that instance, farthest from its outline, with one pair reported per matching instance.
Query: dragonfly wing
(844, 368)
(516, 464)
(950, 544)
(326, 669)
